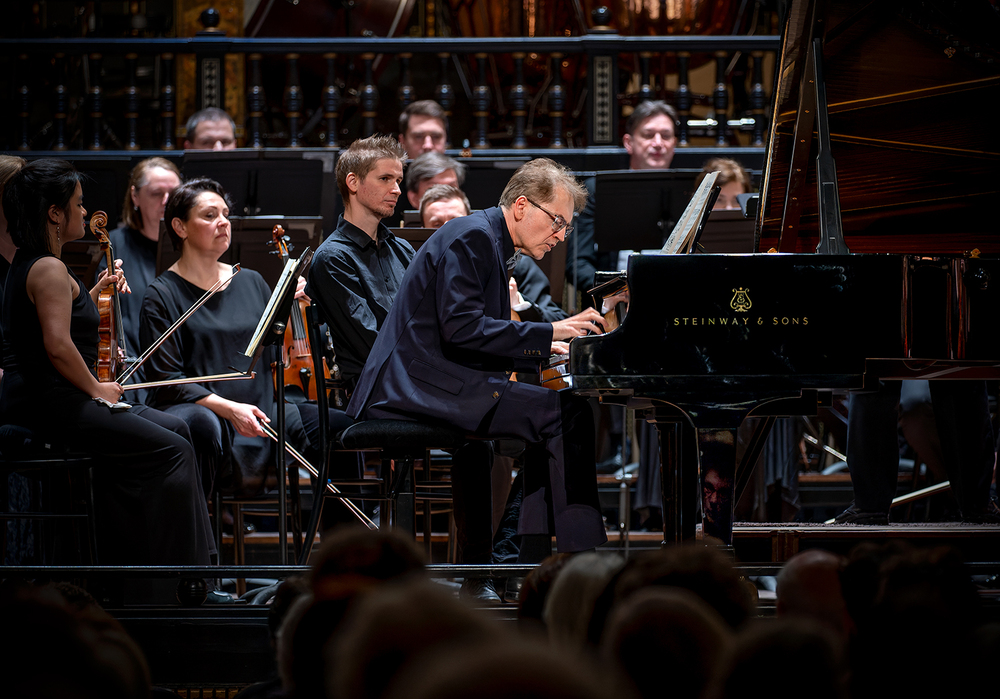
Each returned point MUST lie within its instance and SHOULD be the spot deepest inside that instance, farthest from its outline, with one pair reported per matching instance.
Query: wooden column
(683, 97)
(443, 93)
(331, 100)
(757, 100)
(720, 99)
(519, 99)
(481, 104)
(96, 103)
(168, 100)
(557, 102)
(24, 104)
(255, 103)
(406, 94)
(131, 103)
(369, 96)
(293, 99)
(61, 102)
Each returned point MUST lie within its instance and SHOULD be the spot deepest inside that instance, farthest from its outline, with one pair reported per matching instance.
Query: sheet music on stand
(277, 310)
(684, 235)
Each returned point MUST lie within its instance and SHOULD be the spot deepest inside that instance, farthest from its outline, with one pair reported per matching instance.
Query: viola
(296, 353)
(111, 341)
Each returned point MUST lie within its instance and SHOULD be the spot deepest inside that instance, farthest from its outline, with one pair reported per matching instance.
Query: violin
(296, 354)
(111, 341)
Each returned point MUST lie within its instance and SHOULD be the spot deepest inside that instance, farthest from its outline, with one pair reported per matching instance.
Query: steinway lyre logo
(741, 300)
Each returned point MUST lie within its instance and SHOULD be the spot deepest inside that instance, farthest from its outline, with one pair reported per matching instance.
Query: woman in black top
(224, 416)
(152, 510)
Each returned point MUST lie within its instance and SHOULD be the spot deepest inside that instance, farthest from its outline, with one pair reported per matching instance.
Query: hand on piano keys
(586, 323)
(559, 347)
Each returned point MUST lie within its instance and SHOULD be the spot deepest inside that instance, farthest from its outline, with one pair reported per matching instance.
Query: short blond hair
(361, 156)
(139, 178)
(539, 179)
(729, 171)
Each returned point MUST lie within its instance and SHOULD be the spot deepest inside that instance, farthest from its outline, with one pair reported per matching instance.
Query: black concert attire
(138, 256)
(962, 416)
(533, 285)
(353, 282)
(151, 510)
(205, 345)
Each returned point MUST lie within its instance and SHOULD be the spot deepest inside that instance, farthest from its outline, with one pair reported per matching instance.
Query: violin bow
(170, 331)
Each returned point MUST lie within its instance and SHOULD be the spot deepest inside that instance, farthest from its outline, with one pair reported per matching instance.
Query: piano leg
(678, 473)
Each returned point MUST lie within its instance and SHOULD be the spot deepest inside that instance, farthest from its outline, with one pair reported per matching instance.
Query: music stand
(637, 209)
(270, 331)
(486, 178)
(414, 236)
(727, 231)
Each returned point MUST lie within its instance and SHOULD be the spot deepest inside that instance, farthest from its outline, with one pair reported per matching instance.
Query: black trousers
(961, 413)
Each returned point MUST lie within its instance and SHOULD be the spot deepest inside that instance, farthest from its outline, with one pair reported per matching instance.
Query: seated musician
(152, 510)
(135, 242)
(210, 129)
(428, 170)
(649, 141)
(531, 297)
(9, 166)
(733, 179)
(448, 347)
(357, 270)
(224, 416)
(423, 128)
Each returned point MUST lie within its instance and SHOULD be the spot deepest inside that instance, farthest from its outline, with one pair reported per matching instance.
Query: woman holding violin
(224, 416)
(152, 510)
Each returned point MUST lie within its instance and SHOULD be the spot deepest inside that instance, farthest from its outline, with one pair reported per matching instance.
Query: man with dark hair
(423, 127)
(357, 270)
(210, 129)
(431, 169)
(448, 348)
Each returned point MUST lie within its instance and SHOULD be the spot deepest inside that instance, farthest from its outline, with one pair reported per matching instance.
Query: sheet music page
(680, 238)
(289, 277)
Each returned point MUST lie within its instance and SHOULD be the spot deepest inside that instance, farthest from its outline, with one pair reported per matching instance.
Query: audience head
(809, 586)
(360, 555)
(651, 136)
(703, 570)
(812, 663)
(9, 166)
(441, 203)
(368, 175)
(149, 186)
(508, 668)
(210, 129)
(198, 207)
(538, 204)
(662, 632)
(537, 584)
(570, 602)
(43, 205)
(423, 127)
(392, 627)
(64, 649)
(733, 180)
(430, 169)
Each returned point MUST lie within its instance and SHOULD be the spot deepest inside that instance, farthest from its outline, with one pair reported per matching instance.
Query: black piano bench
(401, 443)
(58, 470)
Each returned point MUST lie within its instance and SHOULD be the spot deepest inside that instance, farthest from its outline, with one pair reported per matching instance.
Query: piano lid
(912, 91)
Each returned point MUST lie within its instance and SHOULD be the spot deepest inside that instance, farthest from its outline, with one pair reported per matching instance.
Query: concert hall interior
(482, 348)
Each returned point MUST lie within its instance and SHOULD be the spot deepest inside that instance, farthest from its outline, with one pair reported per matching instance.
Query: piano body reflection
(901, 107)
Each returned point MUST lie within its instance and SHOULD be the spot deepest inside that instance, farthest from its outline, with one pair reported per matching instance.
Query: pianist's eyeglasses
(558, 222)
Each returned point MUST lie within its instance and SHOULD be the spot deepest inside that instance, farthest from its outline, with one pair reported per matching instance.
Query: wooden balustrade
(542, 109)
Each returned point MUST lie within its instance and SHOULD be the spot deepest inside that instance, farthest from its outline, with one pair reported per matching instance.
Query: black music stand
(637, 209)
(414, 236)
(270, 331)
(727, 231)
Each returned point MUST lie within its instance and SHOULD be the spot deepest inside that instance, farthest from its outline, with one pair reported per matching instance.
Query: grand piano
(876, 234)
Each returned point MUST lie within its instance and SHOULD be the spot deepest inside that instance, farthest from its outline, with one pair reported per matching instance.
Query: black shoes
(852, 515)
(512, 590)
(479, 591)
(988, 515)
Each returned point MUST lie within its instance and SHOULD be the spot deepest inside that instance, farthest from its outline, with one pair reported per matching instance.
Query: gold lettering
(774, 321)
(784, 321)
(677, 321)
(795, 321)
(805, 320)
(711, 321)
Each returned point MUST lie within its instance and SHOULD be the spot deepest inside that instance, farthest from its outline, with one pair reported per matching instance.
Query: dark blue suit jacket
(447, 348)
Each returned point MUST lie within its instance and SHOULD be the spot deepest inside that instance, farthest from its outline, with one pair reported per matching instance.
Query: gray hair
(430, 165)
(538, 179)
(647, 109)
(443, 192)
(207, 114)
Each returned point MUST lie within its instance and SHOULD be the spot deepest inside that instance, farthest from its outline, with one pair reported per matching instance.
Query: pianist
(448, 348)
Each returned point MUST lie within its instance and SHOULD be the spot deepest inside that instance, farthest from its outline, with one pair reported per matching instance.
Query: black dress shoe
(512, 590)
(852, 515)
(479, 591)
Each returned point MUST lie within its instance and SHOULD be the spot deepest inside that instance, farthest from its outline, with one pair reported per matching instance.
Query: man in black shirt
(356, 271)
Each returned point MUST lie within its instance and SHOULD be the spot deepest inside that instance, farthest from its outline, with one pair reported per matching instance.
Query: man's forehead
(213, 125)
(656, 122)
(387, 166)
(423, 122)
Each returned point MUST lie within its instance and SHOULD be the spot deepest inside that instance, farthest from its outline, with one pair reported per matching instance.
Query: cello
(111, 341)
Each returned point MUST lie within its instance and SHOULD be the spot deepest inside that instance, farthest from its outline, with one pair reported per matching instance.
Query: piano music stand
(727, 231)
(270, 331)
